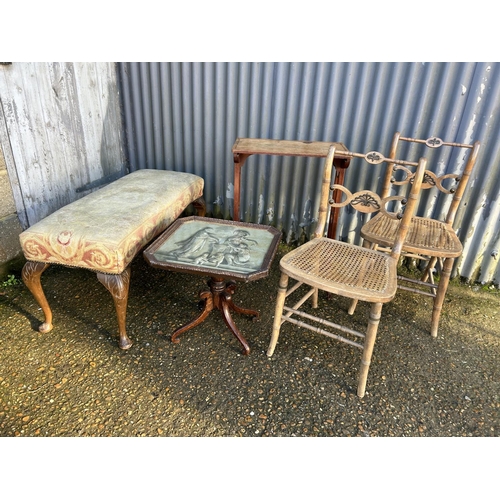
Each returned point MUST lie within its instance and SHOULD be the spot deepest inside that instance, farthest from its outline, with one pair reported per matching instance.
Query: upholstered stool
(105, 230)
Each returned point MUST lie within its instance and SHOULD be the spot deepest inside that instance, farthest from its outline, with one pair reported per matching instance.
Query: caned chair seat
(425, 236)
(341, 268)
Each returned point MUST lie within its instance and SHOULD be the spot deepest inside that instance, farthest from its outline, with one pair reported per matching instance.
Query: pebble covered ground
(75, 381)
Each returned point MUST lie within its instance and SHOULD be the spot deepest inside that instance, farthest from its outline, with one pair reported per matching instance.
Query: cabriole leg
(118, 285)
(31, 276)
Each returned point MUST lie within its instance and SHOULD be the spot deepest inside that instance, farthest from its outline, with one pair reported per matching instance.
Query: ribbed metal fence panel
(186, 117)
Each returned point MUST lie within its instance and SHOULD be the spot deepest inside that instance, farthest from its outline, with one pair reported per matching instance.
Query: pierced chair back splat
(428, 239)
(344, 269)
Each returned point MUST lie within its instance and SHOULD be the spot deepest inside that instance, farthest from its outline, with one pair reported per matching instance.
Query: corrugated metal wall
(186, 116)
(61, 132)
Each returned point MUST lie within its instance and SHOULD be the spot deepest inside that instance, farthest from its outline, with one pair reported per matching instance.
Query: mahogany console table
(244, 147)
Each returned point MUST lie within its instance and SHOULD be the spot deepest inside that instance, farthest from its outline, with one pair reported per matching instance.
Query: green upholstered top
(104, 230)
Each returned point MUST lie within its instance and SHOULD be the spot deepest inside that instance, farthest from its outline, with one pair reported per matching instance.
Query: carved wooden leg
(31, 276)
(200, 206)
(440, 294)
(118, 285)
(278, 313)
(371, 335)
(232, 326)
(207, 298)
(227, 297)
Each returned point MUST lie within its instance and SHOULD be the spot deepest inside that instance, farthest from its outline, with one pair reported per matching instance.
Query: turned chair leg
(371, 335)
(352, 306)
(315, 298)
(31, 274)
(118, 285)
(440, 294)
(278, 313)
(427, 275)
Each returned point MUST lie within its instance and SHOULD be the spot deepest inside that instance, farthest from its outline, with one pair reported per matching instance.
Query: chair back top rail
(431, 179)
(436, 142)
(374, 158)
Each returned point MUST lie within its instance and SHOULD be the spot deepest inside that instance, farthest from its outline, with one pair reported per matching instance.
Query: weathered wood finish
(343, 269)
(317, 149)
(118, 285)
(428, 239)
(61, 131)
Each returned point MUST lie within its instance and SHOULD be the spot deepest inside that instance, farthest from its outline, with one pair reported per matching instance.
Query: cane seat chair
(344, 269)
(428, 240)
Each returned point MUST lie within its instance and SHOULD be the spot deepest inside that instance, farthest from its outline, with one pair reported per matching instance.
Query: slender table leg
(230, 323)
(239, 160)
(230, 289)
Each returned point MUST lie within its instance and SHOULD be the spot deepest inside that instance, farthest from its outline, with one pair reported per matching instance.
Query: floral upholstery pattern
(104, 230)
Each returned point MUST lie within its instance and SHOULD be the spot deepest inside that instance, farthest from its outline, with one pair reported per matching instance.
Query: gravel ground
(75, 381)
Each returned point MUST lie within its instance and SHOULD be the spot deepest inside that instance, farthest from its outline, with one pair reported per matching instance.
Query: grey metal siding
(186, 116)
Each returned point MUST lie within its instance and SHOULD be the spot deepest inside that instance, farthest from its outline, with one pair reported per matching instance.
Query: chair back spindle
(325, 188)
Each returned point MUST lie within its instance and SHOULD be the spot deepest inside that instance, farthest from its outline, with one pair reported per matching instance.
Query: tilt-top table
(245, 147)
(225, 251)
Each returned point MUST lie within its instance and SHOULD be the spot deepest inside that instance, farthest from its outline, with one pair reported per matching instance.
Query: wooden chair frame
(320, 264)
(428, 240)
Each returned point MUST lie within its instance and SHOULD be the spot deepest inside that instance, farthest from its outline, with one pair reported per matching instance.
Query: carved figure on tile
(190, 247)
